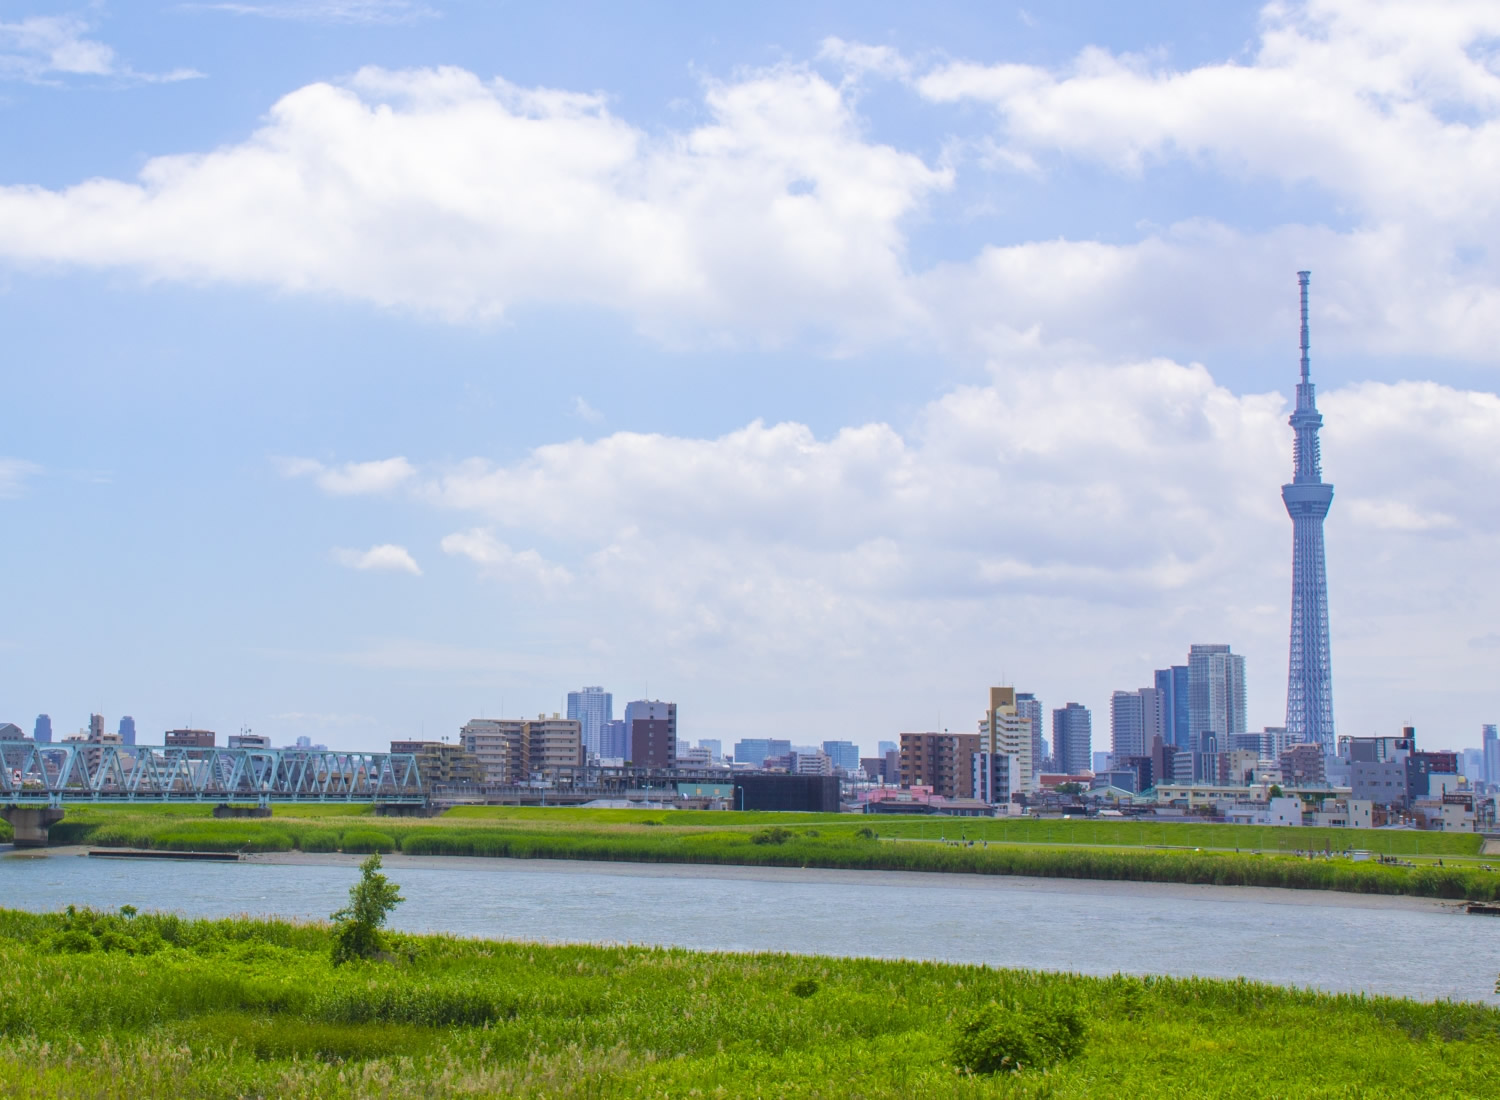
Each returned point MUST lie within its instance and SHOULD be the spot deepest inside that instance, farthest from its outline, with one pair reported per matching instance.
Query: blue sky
(370, 366)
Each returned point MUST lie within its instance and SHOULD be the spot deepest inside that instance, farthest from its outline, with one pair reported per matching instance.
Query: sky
(374, 365)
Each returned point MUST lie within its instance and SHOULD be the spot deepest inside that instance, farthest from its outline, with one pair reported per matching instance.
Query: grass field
(150, 1006)
(1187, 853)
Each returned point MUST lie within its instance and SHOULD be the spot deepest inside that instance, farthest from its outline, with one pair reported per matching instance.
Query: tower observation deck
(1309, 685)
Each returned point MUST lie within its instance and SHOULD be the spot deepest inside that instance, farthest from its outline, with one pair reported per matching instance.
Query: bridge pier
(31, 823)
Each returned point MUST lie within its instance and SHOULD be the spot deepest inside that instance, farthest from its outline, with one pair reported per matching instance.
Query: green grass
(240, 1008)
(1171, 852)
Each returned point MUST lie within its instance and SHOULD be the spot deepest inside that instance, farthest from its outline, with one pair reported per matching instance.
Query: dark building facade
(794, 793)
(651, 726)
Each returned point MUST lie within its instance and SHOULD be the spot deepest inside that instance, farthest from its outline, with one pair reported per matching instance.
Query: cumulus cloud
(1096, 514)
(777, 217)
(14, 473)
(48, 48)
(351, 478)
(385, 557)
(437, 191)
(497, 559)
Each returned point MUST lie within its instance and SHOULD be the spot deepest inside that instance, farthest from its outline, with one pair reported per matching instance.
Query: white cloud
(329, 11)
(1086, 515)
(586, 412)
(384, 557)
(436, 191)
(14, 473)
(497, 559)
(46, 48)
(351, 478)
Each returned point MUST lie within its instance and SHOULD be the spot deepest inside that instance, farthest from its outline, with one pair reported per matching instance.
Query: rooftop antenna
(1302, 280)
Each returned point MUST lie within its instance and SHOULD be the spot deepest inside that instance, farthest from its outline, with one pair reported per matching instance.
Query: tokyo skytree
(1309, 682)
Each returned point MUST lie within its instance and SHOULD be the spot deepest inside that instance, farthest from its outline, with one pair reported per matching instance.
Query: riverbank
(751, 873)
(254, 1008)
(848, 842)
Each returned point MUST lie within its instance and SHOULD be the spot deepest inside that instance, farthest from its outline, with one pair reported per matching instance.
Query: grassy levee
(828, 841)
(157, 1006)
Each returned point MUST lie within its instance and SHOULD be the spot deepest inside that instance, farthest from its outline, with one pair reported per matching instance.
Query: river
(1339, 942)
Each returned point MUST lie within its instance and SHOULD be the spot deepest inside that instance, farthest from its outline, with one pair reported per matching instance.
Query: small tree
(356, 932)
(1275, 791)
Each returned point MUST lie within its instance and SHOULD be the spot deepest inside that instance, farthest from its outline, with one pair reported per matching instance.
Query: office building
(186, 739)
(127, 730)
(1005, 730)
(243, 740)
(1029, 707)
(715, 748)
(1072, 738)
(614, 740)
(942, 761)
(884, 747)
(1489, 744)
(756, 750)
(844, 754)
(96, 728)
(651, 726)
(1136, 718)
(1309, 685)
(811, 763)
(592, 708)
(1172, 685)
(1216, 692)
(41, 733)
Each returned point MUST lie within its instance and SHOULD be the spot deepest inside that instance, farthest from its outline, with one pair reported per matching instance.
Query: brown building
(942, 761)
(513, 750)
(440, 762)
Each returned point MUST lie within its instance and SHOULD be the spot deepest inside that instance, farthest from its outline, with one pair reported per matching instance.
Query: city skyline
(863, 330)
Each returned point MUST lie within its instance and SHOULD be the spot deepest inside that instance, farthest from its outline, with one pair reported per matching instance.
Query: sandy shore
(913, 879)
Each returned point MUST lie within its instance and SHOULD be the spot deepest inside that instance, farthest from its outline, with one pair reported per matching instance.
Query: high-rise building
(1029, 707)
(715, 748)
(1172, 684)
(1488, 741)
(942, 761)
(844, 754)
(1072, 737)
(651, 726)
(756, 750)
(1309, 684)
(1216, 692)
(614, 740)
(1004, 729)
(41, 733)
(884, 747)
(96, 728)
(591, 708)
(127, 730)
(1136, 718)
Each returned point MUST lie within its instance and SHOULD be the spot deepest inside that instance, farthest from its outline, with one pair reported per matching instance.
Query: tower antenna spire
(1302, 280)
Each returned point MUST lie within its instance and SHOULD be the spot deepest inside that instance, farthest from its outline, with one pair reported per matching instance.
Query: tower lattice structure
(1309, 684)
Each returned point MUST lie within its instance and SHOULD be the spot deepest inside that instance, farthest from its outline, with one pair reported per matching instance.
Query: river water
(1338, 942)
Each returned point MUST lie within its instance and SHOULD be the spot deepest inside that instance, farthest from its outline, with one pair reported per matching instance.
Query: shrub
(1010, 1038)
(368, 840)
(774, 835)
(804, 987)
(356, 932)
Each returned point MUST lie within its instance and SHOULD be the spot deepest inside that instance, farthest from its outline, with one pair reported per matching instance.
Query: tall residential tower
(1309, 682)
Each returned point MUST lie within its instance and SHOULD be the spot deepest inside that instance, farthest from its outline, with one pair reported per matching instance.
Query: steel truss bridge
(71, 773)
